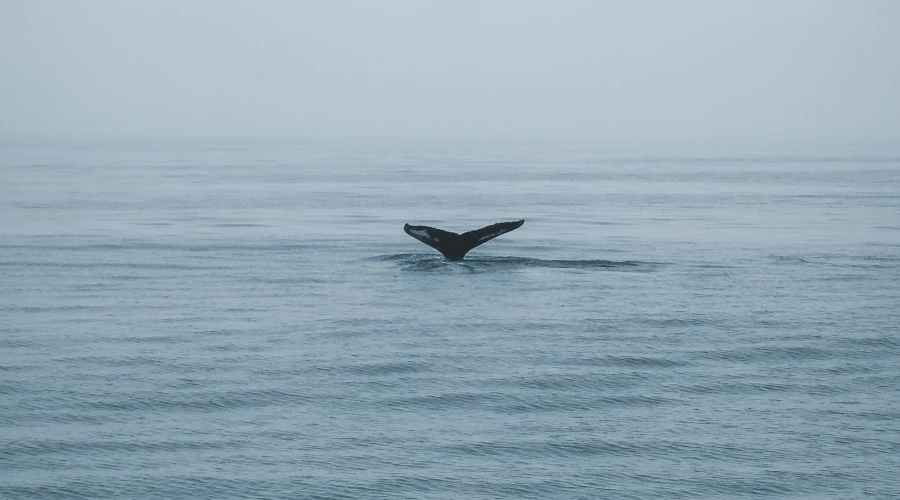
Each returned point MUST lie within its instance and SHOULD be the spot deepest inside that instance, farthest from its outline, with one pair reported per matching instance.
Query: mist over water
(234, 319)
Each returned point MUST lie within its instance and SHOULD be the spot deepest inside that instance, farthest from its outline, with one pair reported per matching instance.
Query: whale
(455, 246)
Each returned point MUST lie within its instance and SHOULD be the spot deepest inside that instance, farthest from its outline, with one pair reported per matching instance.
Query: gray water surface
(247, 319)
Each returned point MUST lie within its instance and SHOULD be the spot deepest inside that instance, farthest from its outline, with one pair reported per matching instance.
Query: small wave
(768, 353)
(238, 224)
(542, 448)
(429, 262)
(877, 342)
(628, 361)
(517, 405)
(608, 380)
(447, 401)
(599, 447)
(690, 320)
(34, 447)
(713, 266)
(199, 401)
(275, 246)
(789, 259)
(560, 264)
(284, 280)
(843, 261)
(110, 265)
(402, 257)
(386, 369)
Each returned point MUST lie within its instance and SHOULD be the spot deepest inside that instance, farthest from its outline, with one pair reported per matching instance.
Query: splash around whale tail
(455, 246)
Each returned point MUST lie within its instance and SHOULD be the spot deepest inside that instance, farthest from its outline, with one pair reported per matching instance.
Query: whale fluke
(455, 246)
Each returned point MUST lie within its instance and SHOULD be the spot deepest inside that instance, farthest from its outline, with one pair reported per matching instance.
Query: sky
(418, 68)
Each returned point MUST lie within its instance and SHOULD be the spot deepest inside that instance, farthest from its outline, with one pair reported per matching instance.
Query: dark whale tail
(455, 246)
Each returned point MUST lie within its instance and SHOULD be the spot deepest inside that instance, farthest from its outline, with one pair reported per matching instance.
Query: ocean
(210, 319)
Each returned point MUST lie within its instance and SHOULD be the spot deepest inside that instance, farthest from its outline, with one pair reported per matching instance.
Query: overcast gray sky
(643, 69)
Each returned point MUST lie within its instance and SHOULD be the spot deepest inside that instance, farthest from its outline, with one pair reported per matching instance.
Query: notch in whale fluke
(455, 246)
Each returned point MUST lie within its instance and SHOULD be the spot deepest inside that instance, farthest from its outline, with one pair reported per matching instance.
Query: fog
(585, 69)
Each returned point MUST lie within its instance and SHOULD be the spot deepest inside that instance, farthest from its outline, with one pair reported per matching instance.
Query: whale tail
(455, 246)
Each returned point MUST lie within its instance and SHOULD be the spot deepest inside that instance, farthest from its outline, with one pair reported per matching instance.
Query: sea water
(208, 319)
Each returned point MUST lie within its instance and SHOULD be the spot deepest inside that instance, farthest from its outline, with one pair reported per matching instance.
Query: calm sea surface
(247, 319)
